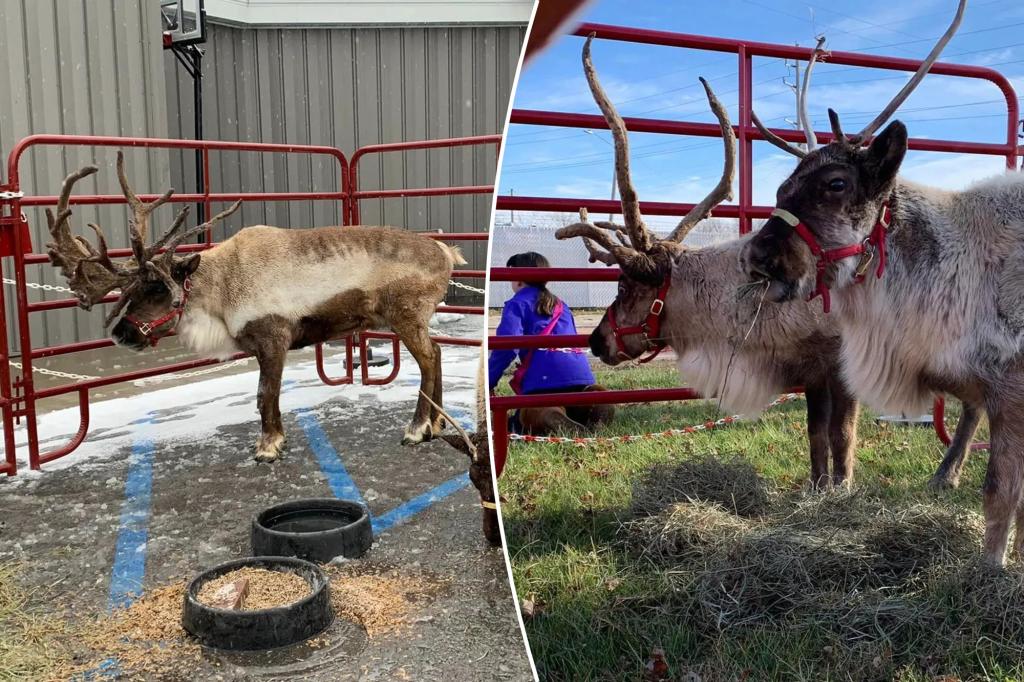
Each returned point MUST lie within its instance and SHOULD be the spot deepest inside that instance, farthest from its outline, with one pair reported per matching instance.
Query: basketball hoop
(184, 22)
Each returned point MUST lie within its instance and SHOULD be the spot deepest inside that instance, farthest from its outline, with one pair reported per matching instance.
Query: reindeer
(264, 291)
(477, 447)
(699, 302)
(927, 285)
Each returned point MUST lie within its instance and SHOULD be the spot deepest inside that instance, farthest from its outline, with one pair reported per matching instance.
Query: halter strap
(874, 243)
(147, 329)
(650, 328)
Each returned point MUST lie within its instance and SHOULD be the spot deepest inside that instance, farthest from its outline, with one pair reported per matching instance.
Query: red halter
(650, 328)
(875, 242)
(147, 328)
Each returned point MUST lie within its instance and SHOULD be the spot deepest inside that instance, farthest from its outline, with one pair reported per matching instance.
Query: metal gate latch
(10, 196)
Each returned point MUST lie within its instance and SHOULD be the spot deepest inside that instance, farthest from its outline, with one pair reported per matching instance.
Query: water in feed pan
(318, 529)
(244, 629)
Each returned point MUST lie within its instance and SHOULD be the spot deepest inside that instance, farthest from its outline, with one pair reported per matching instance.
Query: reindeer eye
(836, 185)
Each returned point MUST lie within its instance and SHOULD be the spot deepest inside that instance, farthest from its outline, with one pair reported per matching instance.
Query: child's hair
(531, 259)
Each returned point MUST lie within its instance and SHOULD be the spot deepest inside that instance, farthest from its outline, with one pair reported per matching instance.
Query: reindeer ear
(184, 267)
(886, 154)
(643, 268)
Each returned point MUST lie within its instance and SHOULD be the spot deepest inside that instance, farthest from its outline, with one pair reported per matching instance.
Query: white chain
(44, 287)
(140, 382)
(160, 378)
(54, 373)
(460, 285)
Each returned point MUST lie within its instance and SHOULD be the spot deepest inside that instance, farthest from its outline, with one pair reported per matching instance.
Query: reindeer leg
(818, 408)
(268, 341)
(1003, 482)
(428, 356)
(948, 475)
(842, 432)
(438, 421)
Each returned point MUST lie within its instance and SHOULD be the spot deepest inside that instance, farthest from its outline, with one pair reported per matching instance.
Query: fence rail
(744, 209)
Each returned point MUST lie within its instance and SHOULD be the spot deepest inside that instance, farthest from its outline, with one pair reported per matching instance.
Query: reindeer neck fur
(948, 313)
(705, 323)
(316, 281)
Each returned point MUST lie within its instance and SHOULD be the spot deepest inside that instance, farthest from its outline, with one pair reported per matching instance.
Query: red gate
(745, 211)
(18, 398)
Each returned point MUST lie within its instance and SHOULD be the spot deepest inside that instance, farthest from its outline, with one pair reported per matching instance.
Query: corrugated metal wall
(79, 67)
(348, 88)
(97, 67)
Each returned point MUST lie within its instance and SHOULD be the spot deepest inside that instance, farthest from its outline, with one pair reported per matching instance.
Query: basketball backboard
(184, 22)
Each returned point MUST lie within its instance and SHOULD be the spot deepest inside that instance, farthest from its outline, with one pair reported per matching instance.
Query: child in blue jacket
(534, 310)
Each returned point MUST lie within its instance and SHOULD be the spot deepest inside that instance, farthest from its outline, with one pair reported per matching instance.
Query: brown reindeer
(689, 299)
(264, 291)
(926, 285)
(477, 447)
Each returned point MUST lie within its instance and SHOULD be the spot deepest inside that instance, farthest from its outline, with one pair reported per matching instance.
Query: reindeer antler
(801, 101)
(92, 274)
(640, 237)
(641, 241)
(89, 271)
(470, 447)
(901, 96)
(140, 209)
(723, 190)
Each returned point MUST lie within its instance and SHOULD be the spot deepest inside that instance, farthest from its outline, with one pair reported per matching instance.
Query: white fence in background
(530, 231)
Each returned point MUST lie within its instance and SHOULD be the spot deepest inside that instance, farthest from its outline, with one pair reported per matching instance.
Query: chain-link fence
(518, 231)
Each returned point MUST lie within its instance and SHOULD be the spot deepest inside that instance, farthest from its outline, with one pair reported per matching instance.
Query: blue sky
(661, 82)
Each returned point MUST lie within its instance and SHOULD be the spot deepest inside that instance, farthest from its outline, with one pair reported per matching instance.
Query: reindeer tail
(452, 253)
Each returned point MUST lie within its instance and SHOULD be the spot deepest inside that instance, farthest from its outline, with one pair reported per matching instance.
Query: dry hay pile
(733, 484)
(381, 601)
(146, 640)
(880, 587)
(30, 640)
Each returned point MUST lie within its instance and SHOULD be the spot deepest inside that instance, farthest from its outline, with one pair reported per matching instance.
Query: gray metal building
(99, 67)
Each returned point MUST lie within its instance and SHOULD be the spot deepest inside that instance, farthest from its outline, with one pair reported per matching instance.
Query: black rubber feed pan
(266, 628)
(317, 529)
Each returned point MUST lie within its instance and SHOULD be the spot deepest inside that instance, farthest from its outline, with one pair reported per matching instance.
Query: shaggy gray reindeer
(692, 300)
(927, 286)
(264, 291)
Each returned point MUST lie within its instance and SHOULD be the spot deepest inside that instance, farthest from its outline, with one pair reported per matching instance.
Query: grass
(709, 547)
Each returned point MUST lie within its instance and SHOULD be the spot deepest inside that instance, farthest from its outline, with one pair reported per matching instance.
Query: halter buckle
(866, 257)
(145, 328)
(657, 306)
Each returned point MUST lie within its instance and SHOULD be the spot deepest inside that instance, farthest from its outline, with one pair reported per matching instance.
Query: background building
(338, 74)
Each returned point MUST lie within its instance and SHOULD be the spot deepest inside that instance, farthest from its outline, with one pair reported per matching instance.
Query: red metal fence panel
(18, 397)
(744, 210)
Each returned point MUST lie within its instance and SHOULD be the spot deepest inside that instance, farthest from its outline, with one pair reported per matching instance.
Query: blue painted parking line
(406, 510)
(342, 485)
(333, 468)
(130, 552)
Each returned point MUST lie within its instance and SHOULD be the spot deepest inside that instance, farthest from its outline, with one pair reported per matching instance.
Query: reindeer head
(836, 196)
(645, 262)
(153, 284)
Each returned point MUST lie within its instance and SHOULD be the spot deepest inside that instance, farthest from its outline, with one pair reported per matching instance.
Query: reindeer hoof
(266, 456)
(940, 484)
(268, 449)
(417, 435)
